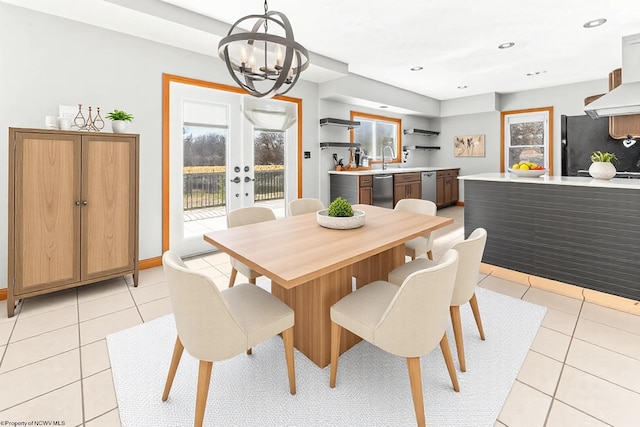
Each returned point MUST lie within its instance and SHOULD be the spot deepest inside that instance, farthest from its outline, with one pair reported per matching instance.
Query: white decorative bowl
(340, 222)
(528, 173)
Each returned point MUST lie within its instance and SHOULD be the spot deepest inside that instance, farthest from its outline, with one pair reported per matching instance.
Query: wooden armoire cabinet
(73, 210)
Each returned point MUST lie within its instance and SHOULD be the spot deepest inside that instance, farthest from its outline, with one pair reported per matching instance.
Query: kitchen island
(576, 230)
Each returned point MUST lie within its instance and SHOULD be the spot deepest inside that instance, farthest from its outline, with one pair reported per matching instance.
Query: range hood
(625, 99)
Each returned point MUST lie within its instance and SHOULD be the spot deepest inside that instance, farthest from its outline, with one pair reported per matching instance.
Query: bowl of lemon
(528, 169)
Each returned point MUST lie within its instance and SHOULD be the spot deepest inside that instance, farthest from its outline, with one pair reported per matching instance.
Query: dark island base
(585, 236)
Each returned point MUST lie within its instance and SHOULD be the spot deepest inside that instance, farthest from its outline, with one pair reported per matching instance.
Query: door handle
(77, 202)
(247, 179)
(85, 203)
(236, 180)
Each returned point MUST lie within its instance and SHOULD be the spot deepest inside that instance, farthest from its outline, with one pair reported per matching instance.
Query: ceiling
(456, 42)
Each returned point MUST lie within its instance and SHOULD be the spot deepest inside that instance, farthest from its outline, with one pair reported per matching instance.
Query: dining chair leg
(415, 378)
(232, 277)
(173, 367)
(287, 338)
(204, 376)
(430, 255)
(476, 315)
(249, 351)
(448, 360)
(252, 280)
(457, 332)
(336, 330)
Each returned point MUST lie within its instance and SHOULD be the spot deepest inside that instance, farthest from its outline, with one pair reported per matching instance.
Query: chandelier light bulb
(279, 56)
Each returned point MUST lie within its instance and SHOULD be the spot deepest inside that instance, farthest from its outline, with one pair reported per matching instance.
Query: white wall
(487, 124)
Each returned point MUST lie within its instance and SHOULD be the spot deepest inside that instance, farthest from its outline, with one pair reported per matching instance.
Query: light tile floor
(583, 369)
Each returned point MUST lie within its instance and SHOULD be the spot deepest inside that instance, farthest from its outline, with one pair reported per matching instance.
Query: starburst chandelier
(265, 61)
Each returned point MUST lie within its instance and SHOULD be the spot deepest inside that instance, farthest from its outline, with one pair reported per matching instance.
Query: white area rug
(372, 387)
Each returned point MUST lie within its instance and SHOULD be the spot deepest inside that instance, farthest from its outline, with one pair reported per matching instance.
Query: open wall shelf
(421, 132)
(419, 147)
(324, 145)
(350, 124)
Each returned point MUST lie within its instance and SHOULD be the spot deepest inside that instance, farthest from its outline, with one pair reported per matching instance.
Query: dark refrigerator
(582, 135)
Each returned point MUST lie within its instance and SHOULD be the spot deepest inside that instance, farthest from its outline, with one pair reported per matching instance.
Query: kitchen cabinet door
(440, 191)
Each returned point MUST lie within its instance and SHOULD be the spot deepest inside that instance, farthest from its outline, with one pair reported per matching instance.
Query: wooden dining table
(311, 267)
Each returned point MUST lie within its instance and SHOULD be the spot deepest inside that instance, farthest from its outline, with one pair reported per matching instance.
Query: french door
(220, 161)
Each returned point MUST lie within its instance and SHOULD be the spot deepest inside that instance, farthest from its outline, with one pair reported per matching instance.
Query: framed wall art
(468, 146)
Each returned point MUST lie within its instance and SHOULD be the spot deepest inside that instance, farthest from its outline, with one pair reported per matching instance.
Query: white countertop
(389, 170)
(557, 180)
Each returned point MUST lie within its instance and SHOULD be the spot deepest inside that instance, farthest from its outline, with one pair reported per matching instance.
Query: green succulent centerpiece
(340, 216)
(602, 166)
(340, 207)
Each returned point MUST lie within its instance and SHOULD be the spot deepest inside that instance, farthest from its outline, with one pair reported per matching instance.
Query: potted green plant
(602, 166)
(340, 216)
(119, 120)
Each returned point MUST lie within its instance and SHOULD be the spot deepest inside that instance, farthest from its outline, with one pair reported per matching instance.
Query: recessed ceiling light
(417, 68)
(594, 23)
(506, 45)
(462, 87)
(535, 73)
(384, 106)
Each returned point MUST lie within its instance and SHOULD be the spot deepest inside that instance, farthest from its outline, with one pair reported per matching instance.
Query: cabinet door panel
(108, 218)
(440, 191)
(47, 185)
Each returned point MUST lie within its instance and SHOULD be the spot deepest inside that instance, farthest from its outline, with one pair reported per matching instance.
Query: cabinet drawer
(406, 177)
(447, 173)
(366, 181)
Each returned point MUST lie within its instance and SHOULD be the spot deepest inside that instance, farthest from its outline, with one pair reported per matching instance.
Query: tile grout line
(564, 363)
(80, 359)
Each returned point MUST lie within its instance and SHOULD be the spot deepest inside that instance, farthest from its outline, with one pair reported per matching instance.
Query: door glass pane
(204, 178)
(269, 155)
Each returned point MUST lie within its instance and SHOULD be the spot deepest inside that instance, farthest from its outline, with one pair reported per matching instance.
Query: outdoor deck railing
(203, 190)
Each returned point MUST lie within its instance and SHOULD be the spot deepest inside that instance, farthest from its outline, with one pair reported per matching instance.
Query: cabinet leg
(135, 279)
(11, 306)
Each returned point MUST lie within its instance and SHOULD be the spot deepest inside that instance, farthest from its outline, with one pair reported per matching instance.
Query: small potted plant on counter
(340, 216)
(602, 166)
(119, 120)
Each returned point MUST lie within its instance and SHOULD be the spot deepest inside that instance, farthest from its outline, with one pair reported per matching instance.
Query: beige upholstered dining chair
(408, 321)
(215, 326)
(470, 252)
(423, 244)
(305, 205)
(246, 216)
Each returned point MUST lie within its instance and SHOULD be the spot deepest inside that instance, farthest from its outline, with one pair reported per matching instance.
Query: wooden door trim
(167, 79)
(503, 114)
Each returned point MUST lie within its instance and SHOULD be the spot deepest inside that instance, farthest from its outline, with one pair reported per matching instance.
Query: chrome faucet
(384, 162)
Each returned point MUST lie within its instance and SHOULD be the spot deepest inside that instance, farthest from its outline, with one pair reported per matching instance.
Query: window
(527, 135)
(375, 133)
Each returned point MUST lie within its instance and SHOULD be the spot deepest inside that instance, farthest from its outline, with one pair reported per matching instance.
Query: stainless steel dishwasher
(383, 190)
(428, 182)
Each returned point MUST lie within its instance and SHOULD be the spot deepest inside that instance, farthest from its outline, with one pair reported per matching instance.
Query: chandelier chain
(266, 9)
